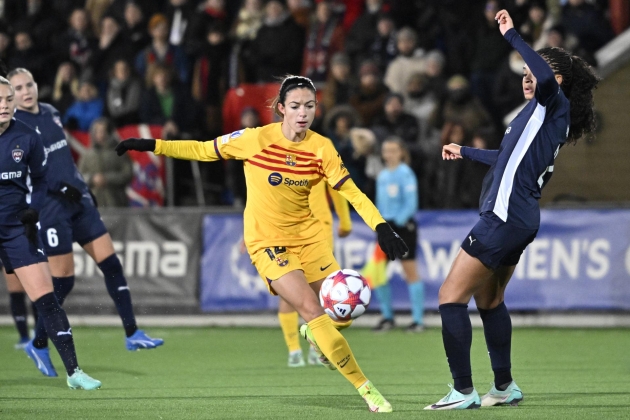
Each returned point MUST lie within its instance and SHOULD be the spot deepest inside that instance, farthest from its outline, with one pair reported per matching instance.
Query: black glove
(70, 193)
(389, 241)
(29, 218)
(141, 145)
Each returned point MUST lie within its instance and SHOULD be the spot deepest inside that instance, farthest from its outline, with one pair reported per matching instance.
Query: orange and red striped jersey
(279, 175)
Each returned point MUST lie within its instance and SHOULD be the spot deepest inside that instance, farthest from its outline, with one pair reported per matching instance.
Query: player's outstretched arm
(389, 241)
(179, 149)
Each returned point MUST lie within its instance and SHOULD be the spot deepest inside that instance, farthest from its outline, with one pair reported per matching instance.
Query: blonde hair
(4, 81)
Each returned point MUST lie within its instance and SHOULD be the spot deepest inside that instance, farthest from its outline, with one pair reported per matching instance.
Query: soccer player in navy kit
(559, 88)
(69, 214)
(22, 195)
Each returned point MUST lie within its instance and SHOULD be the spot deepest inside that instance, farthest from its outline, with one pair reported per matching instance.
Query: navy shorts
(496, 243)
(408, 233)
(63, 223)
(16, 251)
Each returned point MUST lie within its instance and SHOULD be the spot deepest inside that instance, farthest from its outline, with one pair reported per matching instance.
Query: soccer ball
(345, 295)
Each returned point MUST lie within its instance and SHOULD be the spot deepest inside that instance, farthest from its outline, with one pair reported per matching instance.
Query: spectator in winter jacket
(86, 108)
(160, 51)
(324, 39)
(409, 60)
(279, 44)
(123, 95)
(106, 174)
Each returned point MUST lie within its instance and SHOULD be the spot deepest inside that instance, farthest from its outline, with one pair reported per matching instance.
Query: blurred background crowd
(429, 72)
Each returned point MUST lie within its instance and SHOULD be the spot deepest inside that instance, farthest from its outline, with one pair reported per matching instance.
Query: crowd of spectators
(430, 72)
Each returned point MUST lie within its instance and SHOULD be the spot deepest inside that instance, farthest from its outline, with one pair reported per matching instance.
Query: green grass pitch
(241, 373)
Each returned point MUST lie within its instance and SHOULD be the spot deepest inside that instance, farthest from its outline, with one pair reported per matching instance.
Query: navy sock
(34, 308)
(497, 327)
(18, 312)
(457, 338)
(119, 291)
(62, 287)
(58, 329)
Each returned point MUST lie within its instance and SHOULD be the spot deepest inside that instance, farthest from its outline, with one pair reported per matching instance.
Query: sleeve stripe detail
(341, 182)
(270, 168)
(293, 151)
(216, 149)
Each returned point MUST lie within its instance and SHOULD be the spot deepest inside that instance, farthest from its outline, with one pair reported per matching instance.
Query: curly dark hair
(578, 82)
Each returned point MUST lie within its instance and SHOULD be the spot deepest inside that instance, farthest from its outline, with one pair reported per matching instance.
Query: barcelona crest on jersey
(290, 160)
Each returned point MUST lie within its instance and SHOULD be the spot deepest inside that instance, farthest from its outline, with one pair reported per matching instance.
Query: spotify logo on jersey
(275, 178)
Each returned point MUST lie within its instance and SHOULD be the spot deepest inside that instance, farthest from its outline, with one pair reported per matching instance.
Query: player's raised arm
(547, 84)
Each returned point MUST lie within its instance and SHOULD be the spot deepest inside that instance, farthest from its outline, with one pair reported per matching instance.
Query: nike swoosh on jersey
(323, 268)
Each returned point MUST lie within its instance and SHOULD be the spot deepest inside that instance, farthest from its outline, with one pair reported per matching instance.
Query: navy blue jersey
(524, 162)
(22, 172)
(48, 123)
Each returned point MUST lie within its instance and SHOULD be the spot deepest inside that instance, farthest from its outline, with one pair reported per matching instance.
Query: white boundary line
(270, 320)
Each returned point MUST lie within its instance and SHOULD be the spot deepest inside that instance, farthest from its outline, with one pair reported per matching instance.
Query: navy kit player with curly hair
(22, 195)
(559, 88)
(69, 215)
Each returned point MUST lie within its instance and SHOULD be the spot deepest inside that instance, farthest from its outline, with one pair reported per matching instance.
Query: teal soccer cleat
(139, 340)
(41, 357)
(512, 396)
(296, 359)
(455, 400)
(81, 380)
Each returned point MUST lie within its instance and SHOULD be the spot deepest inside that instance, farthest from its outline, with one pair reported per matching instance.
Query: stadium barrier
(579, 261)
(192, 260)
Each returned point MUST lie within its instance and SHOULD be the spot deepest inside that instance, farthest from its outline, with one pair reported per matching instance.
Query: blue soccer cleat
(41, 357)
(81, 380)
(139, 340)
(455, 400)
(512, 396)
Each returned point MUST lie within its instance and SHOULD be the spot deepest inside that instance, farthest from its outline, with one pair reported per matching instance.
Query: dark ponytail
(578, 82)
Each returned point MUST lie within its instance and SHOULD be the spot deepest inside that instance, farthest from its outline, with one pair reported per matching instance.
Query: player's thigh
(61, 265)
(89, 231)
(100, 248)
(13, 283)
(274, 262)
(492, 292)
(318, 262)
(295, 290)
(36, 280)
(466, 276)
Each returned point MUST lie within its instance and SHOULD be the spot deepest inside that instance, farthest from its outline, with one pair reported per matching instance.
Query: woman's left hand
(505, 21)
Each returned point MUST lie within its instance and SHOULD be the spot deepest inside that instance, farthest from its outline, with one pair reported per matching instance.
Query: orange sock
(336, 349)
(289, 325)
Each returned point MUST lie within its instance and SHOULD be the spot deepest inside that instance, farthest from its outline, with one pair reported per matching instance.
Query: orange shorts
(316, 260)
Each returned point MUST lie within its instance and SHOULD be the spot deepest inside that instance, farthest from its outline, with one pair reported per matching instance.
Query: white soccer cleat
(455, 400)
(512, 396)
